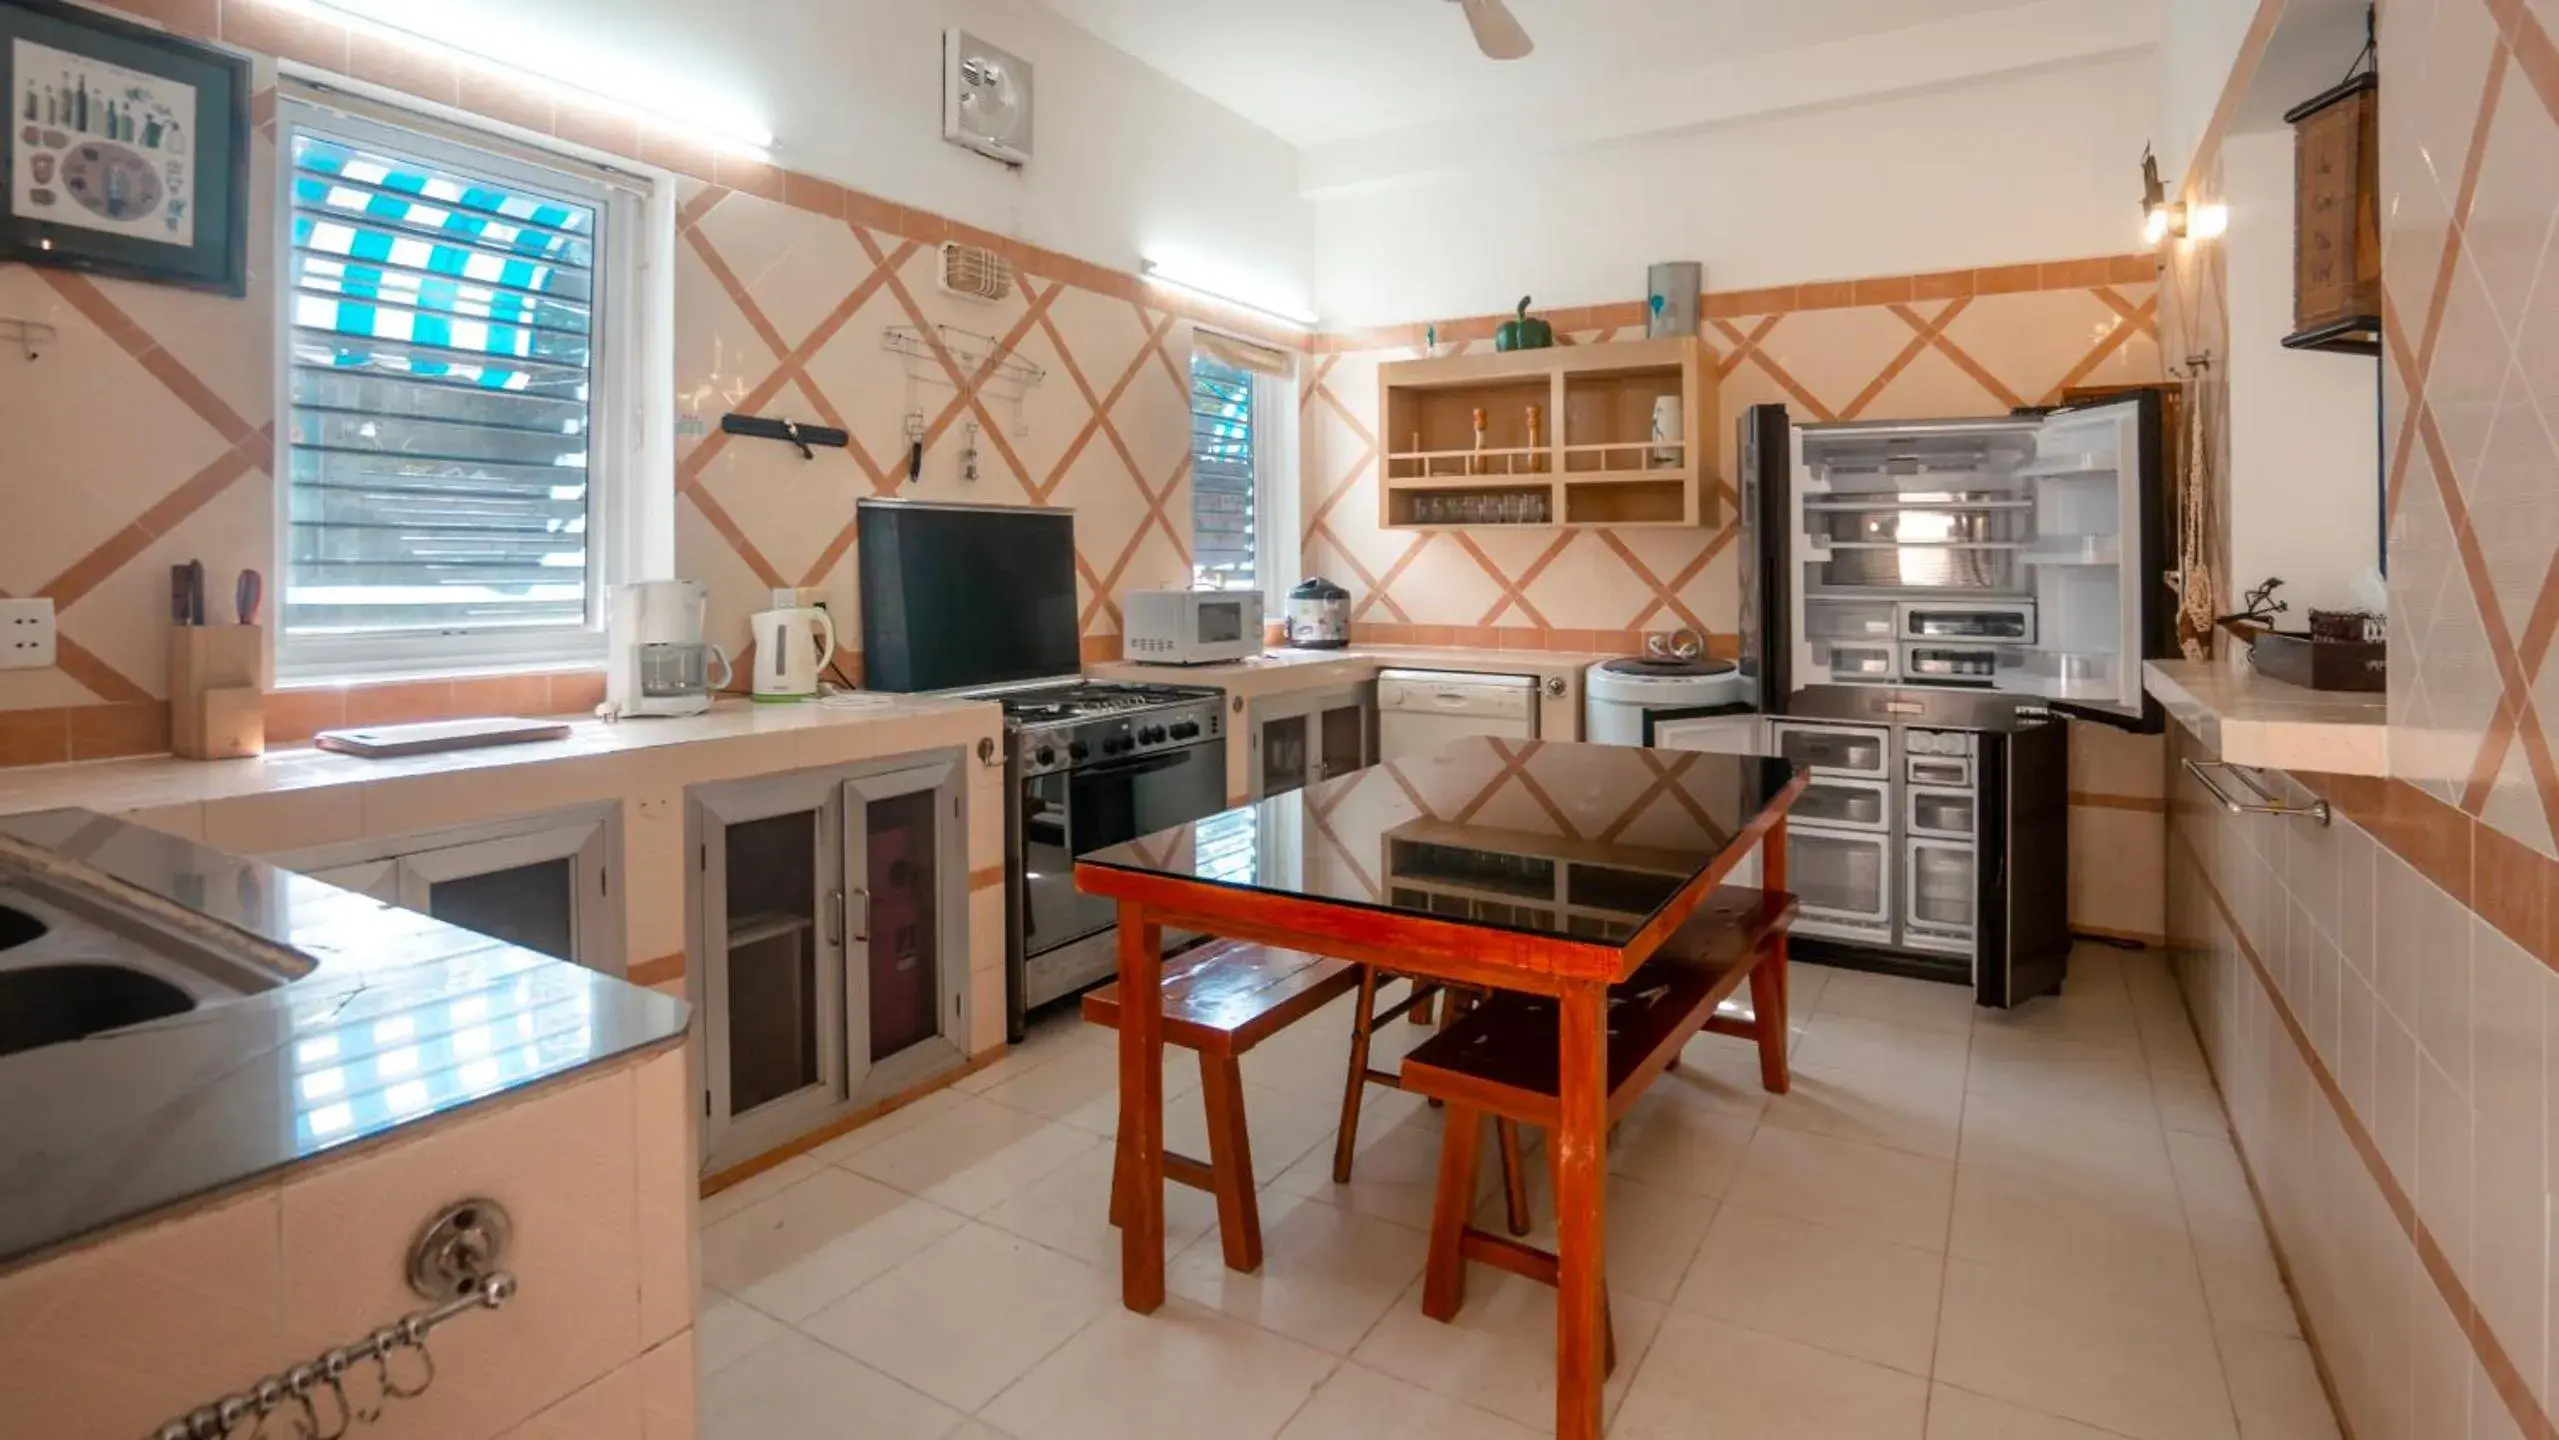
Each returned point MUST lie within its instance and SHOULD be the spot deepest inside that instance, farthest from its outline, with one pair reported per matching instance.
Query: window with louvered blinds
(1224, 502)
(444, 330)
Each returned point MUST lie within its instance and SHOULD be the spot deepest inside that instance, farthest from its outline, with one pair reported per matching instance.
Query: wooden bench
(1221, 1000)
(1500, 1059)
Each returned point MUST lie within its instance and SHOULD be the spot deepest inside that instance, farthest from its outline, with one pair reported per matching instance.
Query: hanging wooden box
(2337, 219)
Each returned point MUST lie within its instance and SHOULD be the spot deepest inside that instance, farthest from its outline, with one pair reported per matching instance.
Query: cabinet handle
(835, 918)
(862, 933)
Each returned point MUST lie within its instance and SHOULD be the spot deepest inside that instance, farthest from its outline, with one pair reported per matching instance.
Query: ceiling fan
(1497, 31)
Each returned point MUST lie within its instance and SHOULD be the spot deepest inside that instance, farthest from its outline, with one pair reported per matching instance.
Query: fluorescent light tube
(1157, 274)
(727, 131)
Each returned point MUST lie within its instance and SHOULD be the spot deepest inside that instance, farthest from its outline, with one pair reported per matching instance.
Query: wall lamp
(2163, 218)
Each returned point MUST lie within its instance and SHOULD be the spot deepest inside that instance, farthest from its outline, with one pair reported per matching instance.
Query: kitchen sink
(48, 1004)
(84, 953)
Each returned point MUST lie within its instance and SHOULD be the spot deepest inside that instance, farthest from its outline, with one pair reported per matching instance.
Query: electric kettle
(792, 648)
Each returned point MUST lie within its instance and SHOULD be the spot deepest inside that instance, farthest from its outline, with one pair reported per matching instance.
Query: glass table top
(1567, 841)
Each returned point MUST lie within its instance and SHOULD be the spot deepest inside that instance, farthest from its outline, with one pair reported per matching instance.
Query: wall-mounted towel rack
(454, 1263)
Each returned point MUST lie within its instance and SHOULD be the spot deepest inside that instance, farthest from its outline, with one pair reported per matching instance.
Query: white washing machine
(1709, 704)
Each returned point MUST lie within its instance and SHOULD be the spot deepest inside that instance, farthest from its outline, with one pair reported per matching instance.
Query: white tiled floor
(1959, 1226)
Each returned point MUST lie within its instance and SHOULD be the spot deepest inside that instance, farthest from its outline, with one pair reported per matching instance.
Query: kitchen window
(455, 374)
(1238, 442)
(1224, 472)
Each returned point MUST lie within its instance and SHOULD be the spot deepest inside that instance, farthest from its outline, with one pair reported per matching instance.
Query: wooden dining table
(1545, 868)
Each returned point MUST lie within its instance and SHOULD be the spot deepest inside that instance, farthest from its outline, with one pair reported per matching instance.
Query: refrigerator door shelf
(2060, 674)
(2074, 550)
(2084, 465)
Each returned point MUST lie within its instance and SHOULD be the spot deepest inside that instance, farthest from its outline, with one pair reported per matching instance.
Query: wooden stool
(1221, 1000)
(1500, 1059)
(1418, 1004)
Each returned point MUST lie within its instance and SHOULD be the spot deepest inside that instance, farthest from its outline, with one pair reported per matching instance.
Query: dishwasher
(1419, 711)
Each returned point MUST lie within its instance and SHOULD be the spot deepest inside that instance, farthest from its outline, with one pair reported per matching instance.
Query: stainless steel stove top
(1085, 699)
(1086, 722)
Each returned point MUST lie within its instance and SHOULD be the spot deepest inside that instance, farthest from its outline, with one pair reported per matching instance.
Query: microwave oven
(1190, 627)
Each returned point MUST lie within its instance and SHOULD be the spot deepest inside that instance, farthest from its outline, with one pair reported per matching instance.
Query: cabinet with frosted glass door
(829, 918)
(542, 881)
(1298, 739)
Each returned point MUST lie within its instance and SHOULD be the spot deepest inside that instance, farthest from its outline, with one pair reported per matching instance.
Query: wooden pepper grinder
(1475, 462)
(1536, 462)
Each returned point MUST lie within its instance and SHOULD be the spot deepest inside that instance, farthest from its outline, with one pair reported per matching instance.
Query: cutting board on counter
(429, 737)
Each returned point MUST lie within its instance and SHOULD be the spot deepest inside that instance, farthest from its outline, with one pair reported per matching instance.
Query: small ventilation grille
(975, 272)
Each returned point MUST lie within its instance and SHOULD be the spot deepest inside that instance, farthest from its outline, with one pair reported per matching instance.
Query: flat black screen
(965, 595)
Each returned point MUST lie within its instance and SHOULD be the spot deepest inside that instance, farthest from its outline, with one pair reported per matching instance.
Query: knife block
(217, 703)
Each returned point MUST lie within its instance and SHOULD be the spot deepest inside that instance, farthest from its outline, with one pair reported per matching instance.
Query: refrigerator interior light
(726, 127)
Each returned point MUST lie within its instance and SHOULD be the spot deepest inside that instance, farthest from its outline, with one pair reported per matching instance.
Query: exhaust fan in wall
(986, 98)
(974, 272)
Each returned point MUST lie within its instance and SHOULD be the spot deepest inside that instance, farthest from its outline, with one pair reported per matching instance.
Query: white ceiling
(1322, 71)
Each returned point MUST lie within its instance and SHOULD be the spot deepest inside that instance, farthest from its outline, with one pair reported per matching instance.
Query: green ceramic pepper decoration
(1523, 332)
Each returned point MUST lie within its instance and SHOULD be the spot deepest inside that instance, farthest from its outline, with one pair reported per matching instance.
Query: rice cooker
(1319, 615)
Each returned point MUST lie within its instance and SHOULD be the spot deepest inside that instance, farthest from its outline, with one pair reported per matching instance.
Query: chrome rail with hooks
(453, 1263)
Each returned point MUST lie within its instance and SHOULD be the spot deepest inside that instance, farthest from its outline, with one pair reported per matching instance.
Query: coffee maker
(657, 661)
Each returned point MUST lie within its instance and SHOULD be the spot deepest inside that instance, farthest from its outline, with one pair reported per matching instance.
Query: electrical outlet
(26, 634)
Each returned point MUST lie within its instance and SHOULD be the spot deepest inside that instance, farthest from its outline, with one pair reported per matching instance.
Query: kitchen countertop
(149, 782)
(1280, 670)
(2246, 719)
(403, 1019)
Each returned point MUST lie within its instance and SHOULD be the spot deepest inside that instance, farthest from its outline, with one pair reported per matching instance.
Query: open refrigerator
(2016, 554)
(1923, 603)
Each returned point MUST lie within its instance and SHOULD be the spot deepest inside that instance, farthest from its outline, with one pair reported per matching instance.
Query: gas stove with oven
(1090, 764)
(982, 601)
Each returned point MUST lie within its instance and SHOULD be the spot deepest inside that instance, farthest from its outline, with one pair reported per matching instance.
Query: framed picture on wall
(126, 151)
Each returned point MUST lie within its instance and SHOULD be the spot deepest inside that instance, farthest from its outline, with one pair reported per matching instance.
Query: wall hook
(31, 335)
(800, 436)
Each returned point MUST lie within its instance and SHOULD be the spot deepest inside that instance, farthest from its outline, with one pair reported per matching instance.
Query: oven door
(1069, 813)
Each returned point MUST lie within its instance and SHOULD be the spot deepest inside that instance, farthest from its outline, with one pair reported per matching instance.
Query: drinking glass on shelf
(1426, 509)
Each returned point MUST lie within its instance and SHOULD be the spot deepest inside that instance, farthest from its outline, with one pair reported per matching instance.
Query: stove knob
(1115, 744)
(1077, 749)
(1152, 735)
(1185, 729)
(1046, 755)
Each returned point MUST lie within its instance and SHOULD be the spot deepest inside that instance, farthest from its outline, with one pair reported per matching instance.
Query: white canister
(1668, 431)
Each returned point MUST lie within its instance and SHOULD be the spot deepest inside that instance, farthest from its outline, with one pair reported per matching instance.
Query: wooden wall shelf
(1591, 460)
